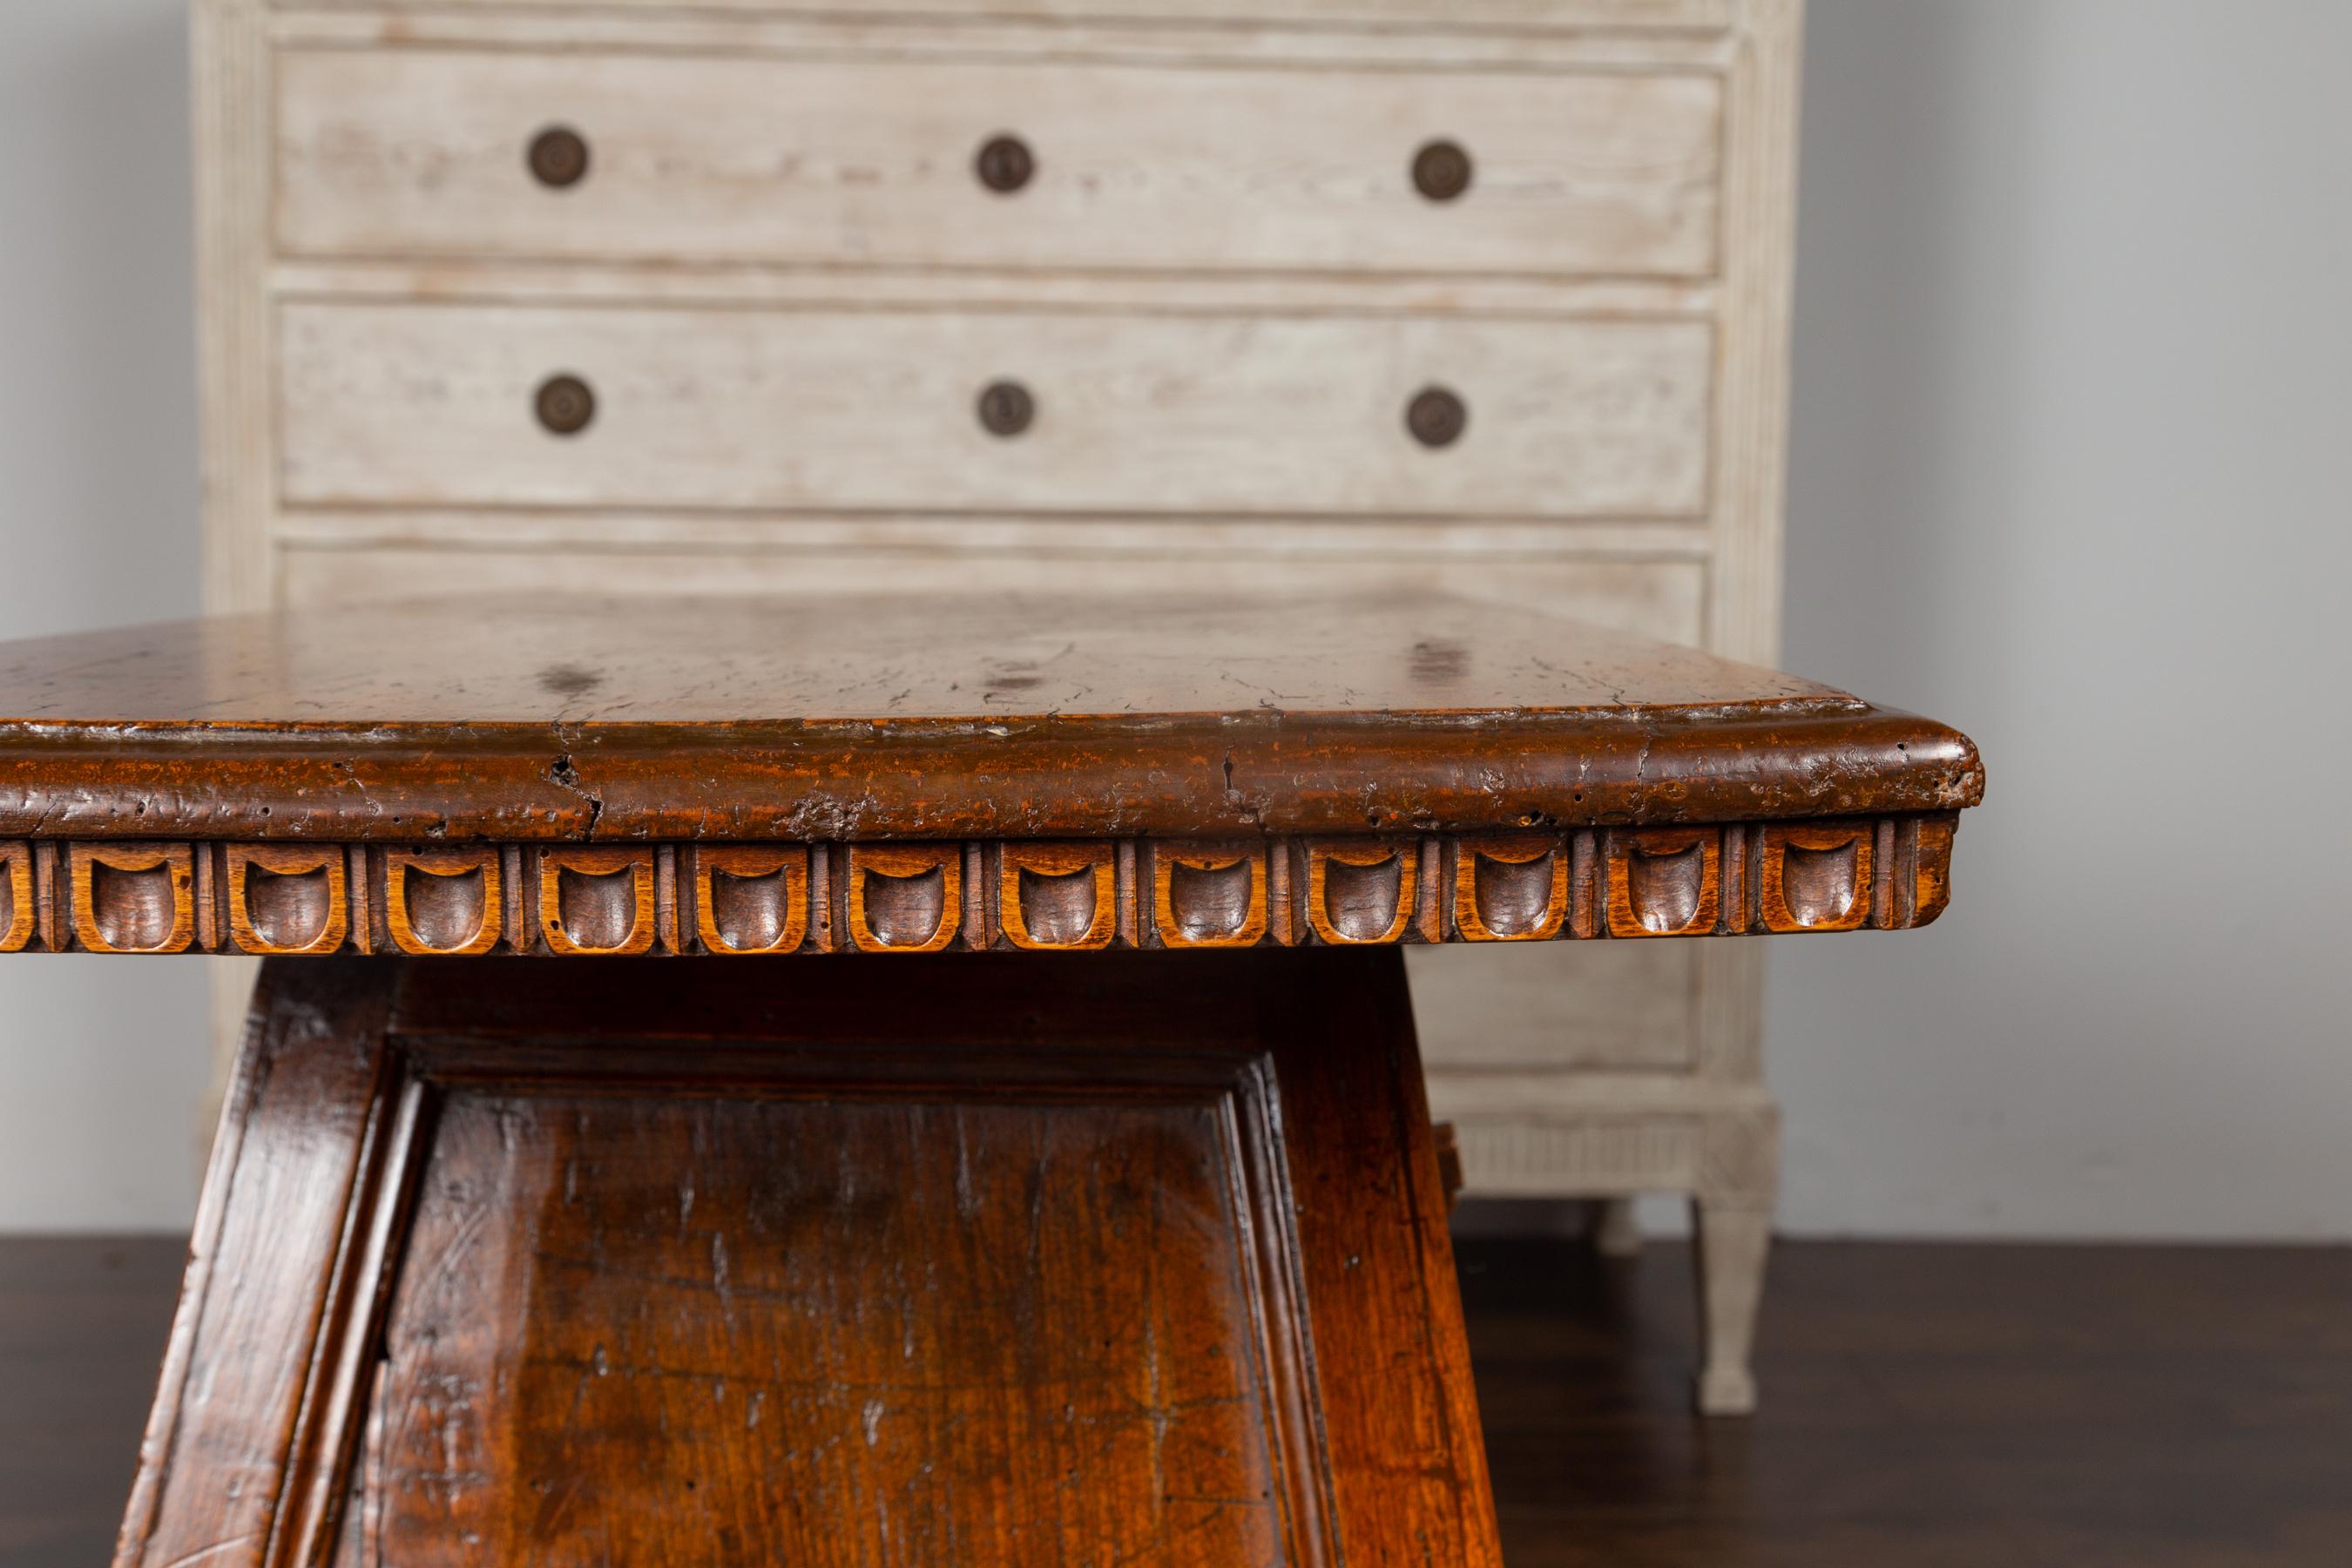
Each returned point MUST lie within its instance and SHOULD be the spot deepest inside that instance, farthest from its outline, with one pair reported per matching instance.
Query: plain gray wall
(2073, 405)
(2071, 416)
(102, 1062)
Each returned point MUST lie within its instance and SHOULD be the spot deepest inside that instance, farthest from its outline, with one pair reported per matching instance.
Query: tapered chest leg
(971, 1260)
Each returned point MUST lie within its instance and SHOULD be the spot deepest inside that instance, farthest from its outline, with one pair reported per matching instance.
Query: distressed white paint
(430, 404)
(865, 158)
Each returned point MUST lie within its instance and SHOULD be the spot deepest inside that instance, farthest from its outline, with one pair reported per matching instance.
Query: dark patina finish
(597, 720)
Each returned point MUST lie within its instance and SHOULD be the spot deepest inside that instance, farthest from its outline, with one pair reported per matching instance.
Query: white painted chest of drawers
(766, 259)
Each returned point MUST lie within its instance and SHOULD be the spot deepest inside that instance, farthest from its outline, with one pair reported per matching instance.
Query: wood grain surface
(1031, 1261)
(556, 719)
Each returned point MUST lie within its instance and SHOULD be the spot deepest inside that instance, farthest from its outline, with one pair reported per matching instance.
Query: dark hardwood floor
(1924, 1405)
(81, 1331)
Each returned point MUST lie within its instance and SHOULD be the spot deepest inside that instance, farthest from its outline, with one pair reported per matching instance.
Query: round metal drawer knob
(1005, 163)
(1436, 417)
(559, 157)
(1006, 408)
(1441, 171)
(565, 404)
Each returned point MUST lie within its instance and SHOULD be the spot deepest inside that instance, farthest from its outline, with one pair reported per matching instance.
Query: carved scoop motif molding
(751, 899)
(446, 910)
(1664, 889)
(1361, 902)
(905, 899)
(1208, 895)
(749, 914)
(597, 900)
(442, 903)
(1818, 886)
(1511, 890)
(1063, 895)
(598, 910)
(1208, 903)
(287, 909)
(904, 911)
(16, 903)
(133, 898)
(1816, 877)
(287, 898)
(1663, 882)
(1361, 891)
(133, 910)
(1056, 908)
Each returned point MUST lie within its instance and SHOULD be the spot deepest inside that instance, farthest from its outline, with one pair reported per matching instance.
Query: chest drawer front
(468, 406)
(1710, 15)
(394, 152)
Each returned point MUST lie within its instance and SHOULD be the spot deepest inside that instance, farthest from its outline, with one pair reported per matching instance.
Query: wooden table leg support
(983, 1259)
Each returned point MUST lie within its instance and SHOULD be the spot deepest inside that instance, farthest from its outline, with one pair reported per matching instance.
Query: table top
(600, 775)
(616, 719)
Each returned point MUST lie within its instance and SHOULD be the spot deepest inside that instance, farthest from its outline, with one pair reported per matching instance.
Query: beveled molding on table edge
(282, 899)
(1244, 775)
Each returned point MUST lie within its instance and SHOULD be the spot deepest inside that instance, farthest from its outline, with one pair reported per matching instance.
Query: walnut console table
(1051, 1246)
